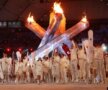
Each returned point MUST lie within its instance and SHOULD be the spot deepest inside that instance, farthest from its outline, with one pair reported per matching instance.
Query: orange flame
(84, 19)
(30, 18)
(57, 8)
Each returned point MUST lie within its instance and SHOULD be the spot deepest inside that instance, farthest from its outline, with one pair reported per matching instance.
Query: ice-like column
(51, 29)
(70, 33)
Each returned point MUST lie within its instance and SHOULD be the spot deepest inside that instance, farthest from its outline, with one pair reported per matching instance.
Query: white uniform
(64, 66)
(47, 70)
(82, 64)
(57, 68)
(39, 70)
(98, 56)
(5, 68)
(26, 69)
(73, 64)
(1, 71)
(18, 72)
(53, 71)
(33, 67)
(10, 67)
(18, 54)
(89, 58)
(106, 60)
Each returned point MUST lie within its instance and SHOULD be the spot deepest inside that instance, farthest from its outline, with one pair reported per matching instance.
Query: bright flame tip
(84, 19)
(30, 18)
(57, 8)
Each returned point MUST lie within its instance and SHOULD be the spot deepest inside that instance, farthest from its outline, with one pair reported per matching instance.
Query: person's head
(74, 45)
(51, 58)
(4, 55)
(39, 59)
(44, 57)
(25, 57)
(62, 55)
(98, 46)
(55, 51)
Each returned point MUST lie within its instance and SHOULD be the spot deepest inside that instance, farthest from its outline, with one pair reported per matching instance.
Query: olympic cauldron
(56, 34)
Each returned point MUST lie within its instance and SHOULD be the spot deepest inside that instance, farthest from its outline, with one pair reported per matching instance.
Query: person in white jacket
(82, 63)
(56, 64)
(74, 62)
(100, 68)
(39, 70)
(1, 71)
(4, 65)
(64, 66)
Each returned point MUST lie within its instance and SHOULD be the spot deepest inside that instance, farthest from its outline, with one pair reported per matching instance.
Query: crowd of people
(81, 67)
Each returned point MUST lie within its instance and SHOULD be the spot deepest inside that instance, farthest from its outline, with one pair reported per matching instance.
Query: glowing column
(53, 26)
(62, 26)
(34, 27)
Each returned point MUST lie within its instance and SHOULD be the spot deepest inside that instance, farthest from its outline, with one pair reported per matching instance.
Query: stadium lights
(104, 47)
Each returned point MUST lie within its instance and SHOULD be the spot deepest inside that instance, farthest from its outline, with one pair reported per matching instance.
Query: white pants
(1, 73)
(74, 70)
